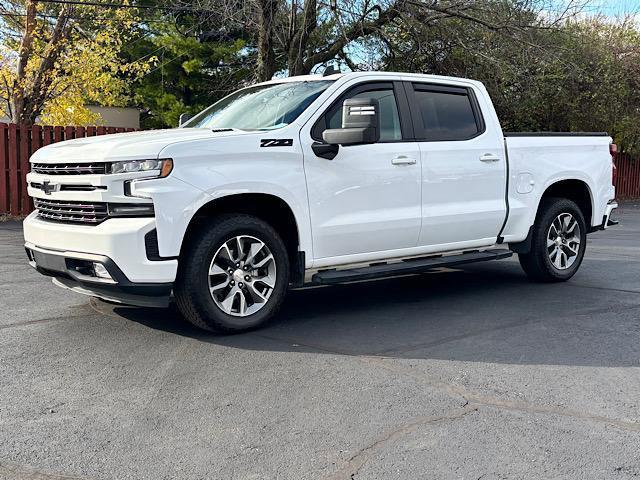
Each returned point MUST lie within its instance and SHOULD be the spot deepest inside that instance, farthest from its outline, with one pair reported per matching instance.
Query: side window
(446, 115)
(389, 118)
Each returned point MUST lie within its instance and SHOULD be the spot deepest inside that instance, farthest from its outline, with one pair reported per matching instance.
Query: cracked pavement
(462, 373)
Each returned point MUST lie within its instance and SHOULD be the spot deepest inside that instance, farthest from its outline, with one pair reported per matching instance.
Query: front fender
(214, 168)
(177, 201)
(295, 200)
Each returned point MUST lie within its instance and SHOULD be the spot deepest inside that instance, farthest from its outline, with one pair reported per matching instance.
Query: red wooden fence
(628, 184)
(17, 144)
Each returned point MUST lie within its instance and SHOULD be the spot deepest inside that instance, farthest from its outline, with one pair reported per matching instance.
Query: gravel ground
(457, 374)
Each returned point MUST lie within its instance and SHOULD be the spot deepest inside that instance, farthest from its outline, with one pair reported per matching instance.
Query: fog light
(100, 271)
(131, 209)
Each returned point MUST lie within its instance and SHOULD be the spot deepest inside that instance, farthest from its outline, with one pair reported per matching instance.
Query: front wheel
(234, 276)
(558, 242)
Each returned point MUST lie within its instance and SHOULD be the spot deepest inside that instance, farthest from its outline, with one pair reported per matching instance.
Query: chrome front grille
(71, 168)
(90, 213)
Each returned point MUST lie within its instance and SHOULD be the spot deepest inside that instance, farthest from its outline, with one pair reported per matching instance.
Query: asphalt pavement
(462, 373)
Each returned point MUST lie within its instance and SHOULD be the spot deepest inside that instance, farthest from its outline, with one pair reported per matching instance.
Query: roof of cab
(336, 76)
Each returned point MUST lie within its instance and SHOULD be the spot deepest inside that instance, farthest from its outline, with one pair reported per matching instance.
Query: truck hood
(124, 146)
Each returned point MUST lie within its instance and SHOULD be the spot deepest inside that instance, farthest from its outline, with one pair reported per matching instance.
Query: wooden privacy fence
(628, 184)
(17, 144)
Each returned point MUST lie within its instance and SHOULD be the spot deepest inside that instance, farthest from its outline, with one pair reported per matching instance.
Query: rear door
(463, 167)
(367, 199)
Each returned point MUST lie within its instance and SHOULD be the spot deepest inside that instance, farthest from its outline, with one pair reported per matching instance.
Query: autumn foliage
(65, 61)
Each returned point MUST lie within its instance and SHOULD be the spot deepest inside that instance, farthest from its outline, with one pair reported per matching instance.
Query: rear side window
(446, 114)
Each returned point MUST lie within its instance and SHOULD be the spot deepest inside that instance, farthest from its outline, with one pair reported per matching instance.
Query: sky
(617, 7)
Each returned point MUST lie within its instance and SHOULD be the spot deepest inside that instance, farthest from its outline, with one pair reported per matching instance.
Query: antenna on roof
(330, 70)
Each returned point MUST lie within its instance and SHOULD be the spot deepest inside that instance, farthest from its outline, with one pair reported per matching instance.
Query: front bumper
(74, 271)
(120, 239)
(67, 252)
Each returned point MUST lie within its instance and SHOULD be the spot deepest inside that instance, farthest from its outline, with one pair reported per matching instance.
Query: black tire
(537, 263)
(191, 290)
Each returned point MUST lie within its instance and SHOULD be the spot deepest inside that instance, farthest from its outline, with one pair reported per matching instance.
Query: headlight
(162, 168)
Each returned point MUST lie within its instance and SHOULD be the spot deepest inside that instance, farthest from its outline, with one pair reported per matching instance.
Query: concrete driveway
(458, 374)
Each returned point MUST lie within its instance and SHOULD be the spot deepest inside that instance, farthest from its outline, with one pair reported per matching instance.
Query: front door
(367, 199)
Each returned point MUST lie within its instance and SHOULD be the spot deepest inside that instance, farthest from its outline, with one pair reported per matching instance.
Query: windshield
(263, 107)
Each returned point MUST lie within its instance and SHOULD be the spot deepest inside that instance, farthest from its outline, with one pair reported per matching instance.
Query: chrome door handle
(489, 157)
(403, 160)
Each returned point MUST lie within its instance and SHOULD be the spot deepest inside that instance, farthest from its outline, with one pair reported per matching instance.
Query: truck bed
(539, 159)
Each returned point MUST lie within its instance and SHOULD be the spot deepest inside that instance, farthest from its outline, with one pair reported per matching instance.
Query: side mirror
(184, 118)
(360, 123)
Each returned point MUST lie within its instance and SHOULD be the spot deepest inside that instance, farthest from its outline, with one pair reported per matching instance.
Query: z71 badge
(276, 142)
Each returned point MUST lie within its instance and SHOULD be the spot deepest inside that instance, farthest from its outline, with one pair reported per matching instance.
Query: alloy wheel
(242, 276)
(563, 241)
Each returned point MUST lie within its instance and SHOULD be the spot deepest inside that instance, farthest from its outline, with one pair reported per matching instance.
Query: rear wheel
(234, 276)
(558, 242)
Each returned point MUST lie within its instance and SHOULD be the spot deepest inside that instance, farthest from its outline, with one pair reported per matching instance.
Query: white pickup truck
(312, 180)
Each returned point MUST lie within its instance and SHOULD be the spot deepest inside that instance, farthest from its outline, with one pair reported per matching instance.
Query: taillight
(613, 150)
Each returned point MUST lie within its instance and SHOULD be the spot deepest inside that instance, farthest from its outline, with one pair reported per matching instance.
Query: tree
(298, 35)
(581, 75)
(190, 74)
(65, 60)
(266, 65)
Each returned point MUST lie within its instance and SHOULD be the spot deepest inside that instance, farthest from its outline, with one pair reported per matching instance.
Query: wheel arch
(574, 189)
(268, 207)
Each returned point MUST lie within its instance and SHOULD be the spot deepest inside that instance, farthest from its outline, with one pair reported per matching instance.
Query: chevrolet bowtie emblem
(47, 188)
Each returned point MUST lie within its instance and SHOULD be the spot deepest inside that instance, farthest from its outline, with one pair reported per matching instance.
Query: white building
(111, 116)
